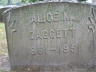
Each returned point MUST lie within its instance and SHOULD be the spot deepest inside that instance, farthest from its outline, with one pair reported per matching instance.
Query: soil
(4, 63)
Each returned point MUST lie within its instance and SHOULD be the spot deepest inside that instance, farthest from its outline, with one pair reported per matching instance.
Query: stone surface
(53, 36)
(3, 8)
(1, 13)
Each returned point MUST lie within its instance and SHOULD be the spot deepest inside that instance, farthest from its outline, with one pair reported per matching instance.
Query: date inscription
(41, 50)
(46, 41)
(47, 34)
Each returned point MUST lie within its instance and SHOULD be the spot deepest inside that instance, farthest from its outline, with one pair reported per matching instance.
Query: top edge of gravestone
(46, 2)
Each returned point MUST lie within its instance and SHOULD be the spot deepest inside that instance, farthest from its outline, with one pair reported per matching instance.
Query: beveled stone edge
(41, 2)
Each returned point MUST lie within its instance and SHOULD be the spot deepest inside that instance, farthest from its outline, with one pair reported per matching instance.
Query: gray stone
(1, 13)
(3, 8)
(53, 36)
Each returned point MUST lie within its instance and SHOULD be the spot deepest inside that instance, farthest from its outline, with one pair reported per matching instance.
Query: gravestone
(2, 9)
(1, 13)
(52, 36)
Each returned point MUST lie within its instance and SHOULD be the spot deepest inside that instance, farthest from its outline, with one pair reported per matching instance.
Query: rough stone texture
(1, 13)
(53, 36)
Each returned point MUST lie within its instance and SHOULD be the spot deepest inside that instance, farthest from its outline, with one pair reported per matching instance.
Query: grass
(2, 31)
(3, 43)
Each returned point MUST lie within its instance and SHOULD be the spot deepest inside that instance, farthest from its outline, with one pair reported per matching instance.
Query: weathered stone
(1, 13)
(2, 9)
(54, 36)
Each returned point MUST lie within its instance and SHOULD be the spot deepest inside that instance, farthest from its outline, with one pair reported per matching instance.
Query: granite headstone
(52, 36)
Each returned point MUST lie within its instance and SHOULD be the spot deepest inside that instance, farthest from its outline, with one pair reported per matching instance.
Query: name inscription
(52, 17)
(59, 33)
(51, 35)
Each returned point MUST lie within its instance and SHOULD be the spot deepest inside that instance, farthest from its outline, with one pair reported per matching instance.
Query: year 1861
(40, 50)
